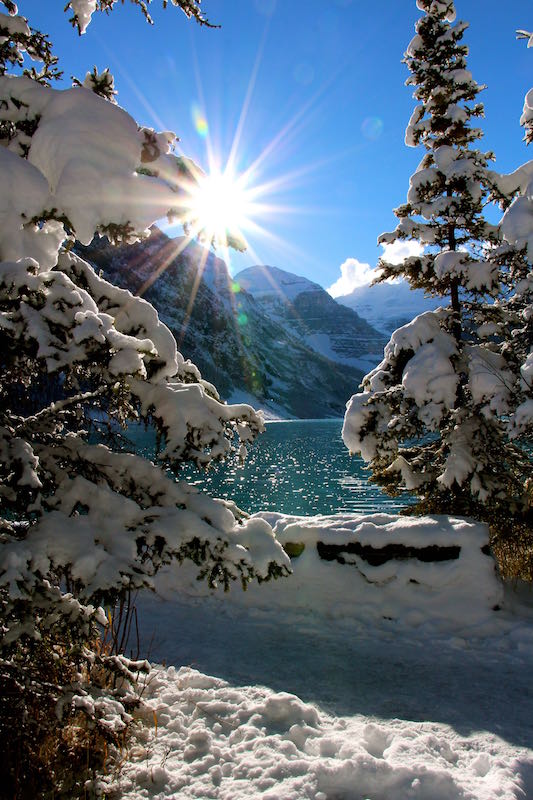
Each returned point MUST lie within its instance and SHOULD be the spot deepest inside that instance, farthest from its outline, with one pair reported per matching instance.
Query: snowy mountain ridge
(272, 282)
(221, 327)
(389, 305)
(305, 310)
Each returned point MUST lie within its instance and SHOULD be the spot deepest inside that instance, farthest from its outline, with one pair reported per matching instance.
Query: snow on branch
(82, 10)
(84, 523)
(78, 516)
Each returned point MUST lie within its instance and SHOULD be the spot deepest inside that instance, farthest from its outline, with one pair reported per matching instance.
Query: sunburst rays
(234, 204)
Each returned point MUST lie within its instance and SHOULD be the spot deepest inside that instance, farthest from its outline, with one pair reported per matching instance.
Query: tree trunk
(454, 285)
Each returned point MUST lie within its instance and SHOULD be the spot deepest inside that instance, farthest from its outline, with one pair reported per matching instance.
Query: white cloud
(398, 251)
(356, 273)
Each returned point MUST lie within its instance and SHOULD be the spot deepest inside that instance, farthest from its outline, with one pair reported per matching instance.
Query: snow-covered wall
(415, 570)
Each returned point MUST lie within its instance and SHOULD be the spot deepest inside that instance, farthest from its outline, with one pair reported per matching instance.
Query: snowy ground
(322, 707)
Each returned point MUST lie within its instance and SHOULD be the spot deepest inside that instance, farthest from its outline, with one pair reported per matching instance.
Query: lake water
(299, 467)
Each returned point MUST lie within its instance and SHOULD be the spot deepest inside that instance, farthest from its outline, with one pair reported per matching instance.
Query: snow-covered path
(304, 707)
(353, 679)
(350, 668)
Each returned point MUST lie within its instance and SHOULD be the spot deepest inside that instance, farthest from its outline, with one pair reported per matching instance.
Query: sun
(219, 208)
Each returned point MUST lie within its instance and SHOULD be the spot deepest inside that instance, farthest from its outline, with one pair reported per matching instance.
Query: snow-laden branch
(85, 517)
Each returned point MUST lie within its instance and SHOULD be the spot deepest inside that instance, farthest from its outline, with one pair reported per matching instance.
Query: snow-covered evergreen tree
(442, 415)
(516, 256)
(84, 524)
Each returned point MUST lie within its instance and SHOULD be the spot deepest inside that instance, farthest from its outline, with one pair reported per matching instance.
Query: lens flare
(372, 128)
(200, 121)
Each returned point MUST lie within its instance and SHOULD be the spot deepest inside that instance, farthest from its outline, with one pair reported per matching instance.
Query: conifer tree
(435, 417)
(84, 524)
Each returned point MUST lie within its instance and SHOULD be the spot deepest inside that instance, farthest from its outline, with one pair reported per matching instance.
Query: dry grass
(43, 757)
(512, 546)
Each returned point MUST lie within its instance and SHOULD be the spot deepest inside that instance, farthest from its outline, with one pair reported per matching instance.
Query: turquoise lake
(299, 467)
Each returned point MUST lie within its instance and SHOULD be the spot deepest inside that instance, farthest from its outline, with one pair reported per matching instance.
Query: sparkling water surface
(298, 467)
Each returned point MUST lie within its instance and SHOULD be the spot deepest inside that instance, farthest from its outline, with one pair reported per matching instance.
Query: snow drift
(425, 570)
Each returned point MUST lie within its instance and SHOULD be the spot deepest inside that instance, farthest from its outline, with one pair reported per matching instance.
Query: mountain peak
(245, 352)
(387, 306)
(308, 312)
(266, 281)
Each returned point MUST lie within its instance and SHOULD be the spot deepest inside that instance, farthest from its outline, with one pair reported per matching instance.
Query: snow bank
(215, 740)
(414, 570)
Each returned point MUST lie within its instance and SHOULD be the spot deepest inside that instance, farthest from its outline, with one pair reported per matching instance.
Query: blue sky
(326, 106)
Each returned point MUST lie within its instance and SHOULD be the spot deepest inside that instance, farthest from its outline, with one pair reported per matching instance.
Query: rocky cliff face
(310, 314)
(245, 352)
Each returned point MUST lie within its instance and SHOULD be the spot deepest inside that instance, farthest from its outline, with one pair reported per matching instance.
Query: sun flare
(220, 208)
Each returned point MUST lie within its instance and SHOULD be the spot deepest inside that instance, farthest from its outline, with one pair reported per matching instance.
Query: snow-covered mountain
(309, 313)
(387, 306)
(246, 353)
(274, 284)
